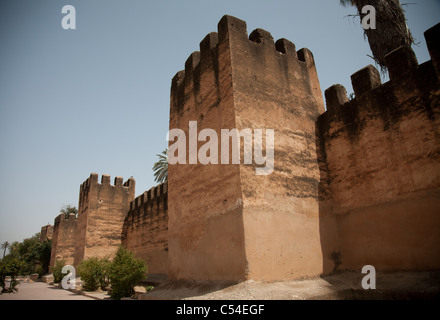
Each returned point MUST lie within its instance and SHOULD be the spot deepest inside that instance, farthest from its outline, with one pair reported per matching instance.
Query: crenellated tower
(226, 222)
(101, 212)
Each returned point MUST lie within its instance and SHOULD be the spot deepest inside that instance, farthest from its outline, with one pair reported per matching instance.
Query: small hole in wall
(100, 201)
(224, 201)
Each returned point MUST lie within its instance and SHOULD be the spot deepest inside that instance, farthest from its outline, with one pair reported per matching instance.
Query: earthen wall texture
(276, 87)
(63, 239)
(225, 222)
(46, 233)
(145, 230)
(356, 184)
(205, 225)
(380, 160)
(101, 212)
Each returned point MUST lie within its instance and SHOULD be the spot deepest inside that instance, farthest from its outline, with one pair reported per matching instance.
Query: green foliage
(93, 272)
(124, 272)
(10, 267)
(5, 245)
(68, 209)
(39, 270)
(149, 288)
(56, 271)
(160, 168)
(34, 254)
(42, 253)
(13, 249)
(29, 253)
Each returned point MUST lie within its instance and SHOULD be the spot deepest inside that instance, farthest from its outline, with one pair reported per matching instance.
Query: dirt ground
(340, 286)
(41, 291)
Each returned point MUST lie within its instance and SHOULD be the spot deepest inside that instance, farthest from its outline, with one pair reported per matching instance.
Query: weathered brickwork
(380, 167)
(145, 230)
(46, 233)
(357, 183)
(101, 212)
(225, 222)
(63, 239)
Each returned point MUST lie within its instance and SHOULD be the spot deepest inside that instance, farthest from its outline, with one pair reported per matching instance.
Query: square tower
(226, 222)
(101, 212)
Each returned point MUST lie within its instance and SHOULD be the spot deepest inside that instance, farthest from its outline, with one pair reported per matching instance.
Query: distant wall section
(145, 230)
(46, 233)
(101, 213)
(63, 239)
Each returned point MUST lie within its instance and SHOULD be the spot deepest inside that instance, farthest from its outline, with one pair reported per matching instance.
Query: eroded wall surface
(276, 87)
(354, 185)
(101, 213)
(63, 239)
(381, 167)
(145, 230)
(226, 222)
(205, 229)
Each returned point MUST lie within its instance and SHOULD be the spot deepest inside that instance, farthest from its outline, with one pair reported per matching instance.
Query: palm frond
(391, 28)
(160, 168)
(346, 3)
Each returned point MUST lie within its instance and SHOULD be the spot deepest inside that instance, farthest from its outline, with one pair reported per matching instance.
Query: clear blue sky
(96, 99)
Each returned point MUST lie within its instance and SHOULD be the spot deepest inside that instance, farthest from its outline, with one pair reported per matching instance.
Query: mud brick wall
(46, 233)
(380, 161)
(63, 239)
(225, 222)
(145, 230)
(101, 212)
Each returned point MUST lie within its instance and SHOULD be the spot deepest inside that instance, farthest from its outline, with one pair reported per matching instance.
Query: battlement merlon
(407, 77)
(105, 180)
(232, 34)
(152, 196)
(363, 82)
(92, 184)
(71, 217)
(431, 36)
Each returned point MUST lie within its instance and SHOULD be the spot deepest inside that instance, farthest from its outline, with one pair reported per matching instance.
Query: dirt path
(342, 286)
(42, 291)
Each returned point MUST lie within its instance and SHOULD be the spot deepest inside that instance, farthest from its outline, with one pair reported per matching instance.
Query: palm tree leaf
(391, 28)
(160, 167)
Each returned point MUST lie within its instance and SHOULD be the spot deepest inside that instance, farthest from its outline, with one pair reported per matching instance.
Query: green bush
(56, 271)
(93, 272)
(149, 288)
(10, 267)
(124, 272)
(39, 270)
